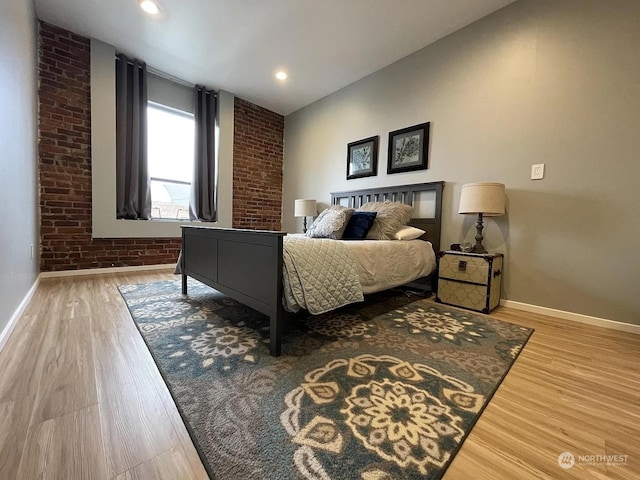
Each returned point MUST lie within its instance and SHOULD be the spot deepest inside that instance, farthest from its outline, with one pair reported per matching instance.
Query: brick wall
(257, 167)
(65, 166)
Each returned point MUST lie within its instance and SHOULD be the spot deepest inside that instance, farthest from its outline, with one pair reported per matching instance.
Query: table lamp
(305, 208)
(485, 199)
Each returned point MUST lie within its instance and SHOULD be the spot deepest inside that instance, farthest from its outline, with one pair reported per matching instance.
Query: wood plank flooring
(81, 398)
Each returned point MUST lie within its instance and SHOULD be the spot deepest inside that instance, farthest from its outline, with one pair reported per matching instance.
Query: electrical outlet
(537, 171)
(31, 251)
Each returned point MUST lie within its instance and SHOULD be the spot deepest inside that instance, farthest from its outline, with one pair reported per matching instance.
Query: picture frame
(409, 149)
(362, 158)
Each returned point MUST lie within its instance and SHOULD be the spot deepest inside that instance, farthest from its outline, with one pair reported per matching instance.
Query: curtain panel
(203, 188)
(133, 189)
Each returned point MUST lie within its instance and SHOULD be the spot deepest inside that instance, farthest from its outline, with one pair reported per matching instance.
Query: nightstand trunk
(470, 280)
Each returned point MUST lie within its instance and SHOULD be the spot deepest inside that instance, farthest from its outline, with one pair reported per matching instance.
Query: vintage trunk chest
(470, 280)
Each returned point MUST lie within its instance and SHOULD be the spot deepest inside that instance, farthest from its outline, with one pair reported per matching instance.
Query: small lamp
(305, 208)
(485, 199)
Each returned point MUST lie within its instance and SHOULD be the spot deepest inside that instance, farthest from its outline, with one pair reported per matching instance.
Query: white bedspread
(384, 264)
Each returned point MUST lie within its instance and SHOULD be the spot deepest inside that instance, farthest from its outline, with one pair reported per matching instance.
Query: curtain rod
(179, 81)
(167, 76)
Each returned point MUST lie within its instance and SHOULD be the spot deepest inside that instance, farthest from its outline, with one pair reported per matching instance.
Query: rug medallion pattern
(386, 389)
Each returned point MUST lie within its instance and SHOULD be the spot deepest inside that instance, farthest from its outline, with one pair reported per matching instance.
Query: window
(170, 151)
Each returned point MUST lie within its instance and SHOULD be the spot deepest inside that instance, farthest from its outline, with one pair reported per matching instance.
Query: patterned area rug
(385, 389)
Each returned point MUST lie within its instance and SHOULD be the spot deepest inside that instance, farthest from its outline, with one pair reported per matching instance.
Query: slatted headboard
(405, 194)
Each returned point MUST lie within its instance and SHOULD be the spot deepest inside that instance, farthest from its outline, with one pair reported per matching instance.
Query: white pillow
(408, 233)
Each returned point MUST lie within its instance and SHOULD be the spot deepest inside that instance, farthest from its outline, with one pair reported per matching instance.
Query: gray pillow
(391, 216)
(331, 223)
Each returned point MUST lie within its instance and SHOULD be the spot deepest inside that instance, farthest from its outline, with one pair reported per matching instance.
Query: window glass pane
(170, 200)
(171, 157)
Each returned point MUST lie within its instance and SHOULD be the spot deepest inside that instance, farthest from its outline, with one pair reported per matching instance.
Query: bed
(247, 265)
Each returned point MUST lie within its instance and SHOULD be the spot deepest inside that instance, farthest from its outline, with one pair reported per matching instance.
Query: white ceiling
(237, 45)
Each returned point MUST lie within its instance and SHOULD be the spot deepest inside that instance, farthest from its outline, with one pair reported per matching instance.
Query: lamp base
(304, 225)
(478, 247)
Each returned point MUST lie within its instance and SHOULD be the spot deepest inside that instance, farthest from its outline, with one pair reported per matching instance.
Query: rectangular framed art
(362, 158)
(408, 149)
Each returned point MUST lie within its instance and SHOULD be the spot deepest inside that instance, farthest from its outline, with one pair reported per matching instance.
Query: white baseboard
(13, 321)
(99, 271)
(574, 317)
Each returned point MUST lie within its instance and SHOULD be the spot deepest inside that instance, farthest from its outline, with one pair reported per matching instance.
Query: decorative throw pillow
(358, 226)
(330, 223)
(391, 216)
(408, 233)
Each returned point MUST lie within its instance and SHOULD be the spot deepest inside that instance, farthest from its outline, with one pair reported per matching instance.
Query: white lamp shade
(482, 197)
(305, 208)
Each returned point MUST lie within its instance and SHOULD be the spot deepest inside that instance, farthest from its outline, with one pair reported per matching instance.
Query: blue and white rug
(386, 389)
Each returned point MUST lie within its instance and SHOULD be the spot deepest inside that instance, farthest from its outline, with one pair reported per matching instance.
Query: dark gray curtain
(133, 192)
(203, 188)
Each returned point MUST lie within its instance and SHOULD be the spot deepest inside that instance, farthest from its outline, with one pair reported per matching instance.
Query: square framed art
(408, 149)
(362, 158)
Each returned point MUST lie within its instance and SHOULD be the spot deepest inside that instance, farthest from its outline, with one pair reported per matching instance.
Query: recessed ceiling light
(281, 75)
(150, 7)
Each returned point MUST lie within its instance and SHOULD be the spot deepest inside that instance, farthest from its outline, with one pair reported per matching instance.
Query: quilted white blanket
(319, 275)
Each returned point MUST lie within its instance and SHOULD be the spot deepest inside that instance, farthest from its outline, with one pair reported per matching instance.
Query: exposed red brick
(65, 166)
(258, 149)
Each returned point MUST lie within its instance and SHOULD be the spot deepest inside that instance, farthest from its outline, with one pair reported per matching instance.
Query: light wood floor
(81, 398)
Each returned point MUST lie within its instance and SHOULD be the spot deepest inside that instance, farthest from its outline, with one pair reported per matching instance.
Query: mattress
(384, 264)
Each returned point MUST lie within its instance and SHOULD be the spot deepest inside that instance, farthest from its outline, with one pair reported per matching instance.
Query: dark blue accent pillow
(359, 225)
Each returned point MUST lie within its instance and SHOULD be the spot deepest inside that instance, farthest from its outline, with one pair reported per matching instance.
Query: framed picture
(362, 158)
(408, 149)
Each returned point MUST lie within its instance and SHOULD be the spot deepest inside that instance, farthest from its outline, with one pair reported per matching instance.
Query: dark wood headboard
(405, 194)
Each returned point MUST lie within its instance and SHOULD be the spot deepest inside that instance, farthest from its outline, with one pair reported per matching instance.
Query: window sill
(155, 228)
(171, 220)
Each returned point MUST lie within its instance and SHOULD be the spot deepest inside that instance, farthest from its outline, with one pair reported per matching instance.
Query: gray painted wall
(540, 81)
(18, 136)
